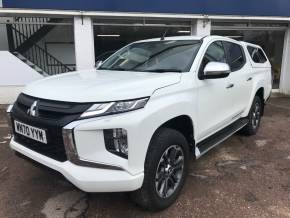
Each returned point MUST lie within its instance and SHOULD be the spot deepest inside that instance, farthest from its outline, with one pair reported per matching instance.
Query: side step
(217, 138)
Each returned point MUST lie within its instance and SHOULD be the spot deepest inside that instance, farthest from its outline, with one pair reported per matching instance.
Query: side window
(257, 54)
(235, 55)
(214, 53)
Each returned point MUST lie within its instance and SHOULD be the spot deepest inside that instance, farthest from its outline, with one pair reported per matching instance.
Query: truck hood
(100, 85)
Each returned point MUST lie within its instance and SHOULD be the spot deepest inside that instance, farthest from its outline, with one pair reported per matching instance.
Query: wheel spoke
(172, 155)
(165, 188)
(161, 187)
(166, 157)
(174, 178)
(179, 163)
(160, 177)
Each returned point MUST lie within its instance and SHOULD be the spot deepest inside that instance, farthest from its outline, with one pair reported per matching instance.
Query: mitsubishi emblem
(33, 110)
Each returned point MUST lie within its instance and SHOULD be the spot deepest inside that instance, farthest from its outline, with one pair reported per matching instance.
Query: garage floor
(243, 177)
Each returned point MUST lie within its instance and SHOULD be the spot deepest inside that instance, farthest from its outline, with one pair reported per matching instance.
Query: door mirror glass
(215, 70)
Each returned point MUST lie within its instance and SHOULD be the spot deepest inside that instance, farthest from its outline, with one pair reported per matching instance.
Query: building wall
(14, 76)
(3, 34)
(14, 72)
(3, 38)
(285, 76)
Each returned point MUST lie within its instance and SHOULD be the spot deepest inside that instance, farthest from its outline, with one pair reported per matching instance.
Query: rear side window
(235, 55)
(257, 54)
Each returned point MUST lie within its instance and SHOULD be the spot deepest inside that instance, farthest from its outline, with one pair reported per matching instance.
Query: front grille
(52, 117)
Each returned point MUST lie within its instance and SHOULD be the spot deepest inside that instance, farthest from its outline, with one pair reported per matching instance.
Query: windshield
(154, 56)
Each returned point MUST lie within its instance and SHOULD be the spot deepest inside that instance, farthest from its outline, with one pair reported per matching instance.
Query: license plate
(30, 132)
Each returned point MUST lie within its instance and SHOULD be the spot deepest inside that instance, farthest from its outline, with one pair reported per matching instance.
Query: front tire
(254, 117)
(165, 170)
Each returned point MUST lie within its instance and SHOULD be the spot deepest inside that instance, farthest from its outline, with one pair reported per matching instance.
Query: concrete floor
(243, 177)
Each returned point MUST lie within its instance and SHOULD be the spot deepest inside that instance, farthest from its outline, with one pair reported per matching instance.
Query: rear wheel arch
(260, 93)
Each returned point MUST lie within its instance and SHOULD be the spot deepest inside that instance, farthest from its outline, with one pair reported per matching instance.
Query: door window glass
(235, 55)
(214, 53)
(257, 54)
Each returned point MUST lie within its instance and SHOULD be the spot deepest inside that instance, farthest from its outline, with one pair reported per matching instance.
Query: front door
(214, 105)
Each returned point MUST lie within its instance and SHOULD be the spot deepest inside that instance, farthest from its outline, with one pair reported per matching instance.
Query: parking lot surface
(243, 177)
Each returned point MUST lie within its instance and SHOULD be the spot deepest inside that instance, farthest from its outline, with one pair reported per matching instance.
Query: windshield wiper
(163, 70)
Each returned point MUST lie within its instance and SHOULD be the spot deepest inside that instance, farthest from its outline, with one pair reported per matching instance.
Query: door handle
(249, 79)
(230, 86)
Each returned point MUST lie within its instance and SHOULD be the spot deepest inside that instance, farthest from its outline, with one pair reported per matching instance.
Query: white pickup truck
(133, 124)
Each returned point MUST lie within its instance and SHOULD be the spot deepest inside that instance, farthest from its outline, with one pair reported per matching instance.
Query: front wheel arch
(182, 124)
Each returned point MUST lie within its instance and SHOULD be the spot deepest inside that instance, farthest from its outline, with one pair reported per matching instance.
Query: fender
(256, 86)
(165, 105)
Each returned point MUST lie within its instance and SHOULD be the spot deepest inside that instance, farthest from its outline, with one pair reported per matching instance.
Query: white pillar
(84, 43)
(285, 70)
(3, 35)
(201, 27)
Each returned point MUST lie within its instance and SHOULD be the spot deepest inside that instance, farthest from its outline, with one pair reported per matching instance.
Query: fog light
(69, 143)
(116, 141)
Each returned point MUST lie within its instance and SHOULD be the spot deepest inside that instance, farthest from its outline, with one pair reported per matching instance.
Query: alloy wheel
(256, 115)
(169, 171)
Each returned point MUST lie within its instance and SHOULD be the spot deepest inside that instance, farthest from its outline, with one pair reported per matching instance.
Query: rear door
(241, 78)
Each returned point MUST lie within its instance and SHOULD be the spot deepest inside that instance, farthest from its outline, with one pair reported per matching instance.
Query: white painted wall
(201, 27)
(285, 72)
(11, 94)
(14, 76)
(84, 43)
(3, 35)
(3, 38)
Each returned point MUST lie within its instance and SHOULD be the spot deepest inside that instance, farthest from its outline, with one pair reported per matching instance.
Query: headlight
(114, 107)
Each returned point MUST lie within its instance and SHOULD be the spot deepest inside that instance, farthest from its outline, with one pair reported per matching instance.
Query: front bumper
(87, 179)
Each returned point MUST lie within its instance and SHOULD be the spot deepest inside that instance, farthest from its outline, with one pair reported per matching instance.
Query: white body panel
(208, 103)
(100, 86)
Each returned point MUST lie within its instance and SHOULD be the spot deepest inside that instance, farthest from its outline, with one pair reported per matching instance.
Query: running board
(217, 138)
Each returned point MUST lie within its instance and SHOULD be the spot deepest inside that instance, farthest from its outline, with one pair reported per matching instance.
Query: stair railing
(39, 56)
(22, 24)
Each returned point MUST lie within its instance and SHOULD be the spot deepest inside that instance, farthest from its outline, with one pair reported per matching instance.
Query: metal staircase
(24, 35)
(29, 63)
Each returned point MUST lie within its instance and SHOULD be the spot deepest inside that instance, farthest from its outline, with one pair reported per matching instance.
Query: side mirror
(98, 64)
(216, 70)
